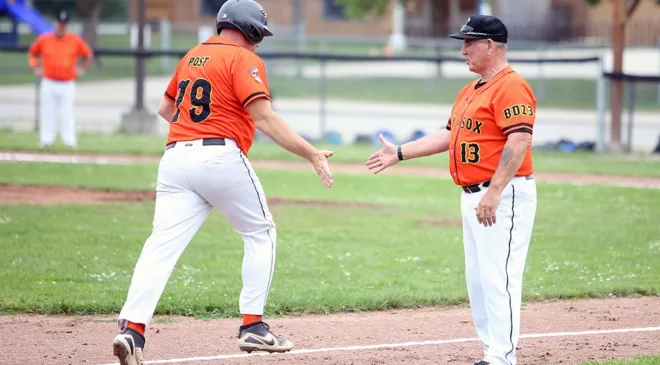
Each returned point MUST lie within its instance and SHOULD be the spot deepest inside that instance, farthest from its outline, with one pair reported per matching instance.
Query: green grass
(78, 259)
(641, 360)
(545, 161)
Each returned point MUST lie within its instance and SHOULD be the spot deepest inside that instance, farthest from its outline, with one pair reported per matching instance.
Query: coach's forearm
(512, 158)
(432, 144)
(280, 132)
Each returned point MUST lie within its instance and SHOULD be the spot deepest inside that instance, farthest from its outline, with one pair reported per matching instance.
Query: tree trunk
(618, 45)
(90, 12)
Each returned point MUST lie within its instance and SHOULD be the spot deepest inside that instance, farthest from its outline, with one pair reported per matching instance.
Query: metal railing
(353, 95)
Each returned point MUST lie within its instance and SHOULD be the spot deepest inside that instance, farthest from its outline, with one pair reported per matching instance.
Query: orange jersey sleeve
(84, 50)
(35, 51)
(250, 79)
(515, 109)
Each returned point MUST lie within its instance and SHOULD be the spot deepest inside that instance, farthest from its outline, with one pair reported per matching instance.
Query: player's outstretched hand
(320, 162)
(384, 158)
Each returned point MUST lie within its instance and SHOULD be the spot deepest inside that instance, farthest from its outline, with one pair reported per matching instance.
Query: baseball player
(216, 98)
(488, 136)
(59, 52)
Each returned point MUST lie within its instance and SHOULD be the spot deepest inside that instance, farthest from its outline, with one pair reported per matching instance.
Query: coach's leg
(472, 273)
(48, 98)
(502, 251)
(68, 114)
(179, 212)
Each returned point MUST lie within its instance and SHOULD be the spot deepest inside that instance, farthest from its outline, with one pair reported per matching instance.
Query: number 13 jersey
(211, 87)
(482, 118)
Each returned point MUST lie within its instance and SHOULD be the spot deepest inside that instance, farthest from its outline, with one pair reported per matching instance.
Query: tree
(90, 13)
(622, 10)
(440, 10)
(358, 8)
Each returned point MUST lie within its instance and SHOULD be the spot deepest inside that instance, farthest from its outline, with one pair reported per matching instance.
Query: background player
(488, 137)
(59, 52)
(217, 96)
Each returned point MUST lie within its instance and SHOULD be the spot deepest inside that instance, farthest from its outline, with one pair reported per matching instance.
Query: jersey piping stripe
(526, 130)
(272, 244)
(517, 125)
(218, 44)
(253, 95)
(506, 271)
(169, 96)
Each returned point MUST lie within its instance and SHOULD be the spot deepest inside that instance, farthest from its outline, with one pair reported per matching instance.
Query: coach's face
(477, 52)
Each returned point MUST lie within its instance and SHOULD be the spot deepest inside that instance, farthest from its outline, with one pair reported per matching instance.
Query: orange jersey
(59, 55)
(211, 87)
(480, 122)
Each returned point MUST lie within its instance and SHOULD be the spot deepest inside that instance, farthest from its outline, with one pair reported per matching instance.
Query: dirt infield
(560, 332)
(388, 337)
(48, 195)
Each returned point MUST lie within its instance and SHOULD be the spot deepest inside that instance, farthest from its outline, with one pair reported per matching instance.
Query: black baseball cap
(62, 16)
(480, 26)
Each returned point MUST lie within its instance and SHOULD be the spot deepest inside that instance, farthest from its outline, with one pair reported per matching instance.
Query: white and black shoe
(127, 346)
(258, 337)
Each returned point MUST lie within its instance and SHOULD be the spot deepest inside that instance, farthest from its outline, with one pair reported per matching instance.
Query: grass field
(642, 360)
(546, 161)
(78, 259)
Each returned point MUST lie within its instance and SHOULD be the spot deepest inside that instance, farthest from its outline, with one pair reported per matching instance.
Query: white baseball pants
(494, 264)
(57, 101)
(192, 181)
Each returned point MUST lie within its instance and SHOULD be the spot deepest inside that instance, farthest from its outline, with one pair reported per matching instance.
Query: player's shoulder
(513, 78)
(45, 35)
(249, 56)
(74, 36)
(514, 82)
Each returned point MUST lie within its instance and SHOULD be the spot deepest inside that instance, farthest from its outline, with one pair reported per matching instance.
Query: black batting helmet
(247, 16)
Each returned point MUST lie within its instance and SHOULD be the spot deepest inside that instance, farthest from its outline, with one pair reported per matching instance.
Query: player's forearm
(437, 142)
(275, 128)
(512, 158)
(85, 63)
(166, 109)
(33, 61)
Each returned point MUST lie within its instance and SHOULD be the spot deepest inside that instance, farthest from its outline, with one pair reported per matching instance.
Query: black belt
(477, 187)
(205, 142)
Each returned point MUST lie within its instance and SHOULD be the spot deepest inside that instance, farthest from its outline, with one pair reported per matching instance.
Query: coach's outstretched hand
(384, 158)
(319, 160)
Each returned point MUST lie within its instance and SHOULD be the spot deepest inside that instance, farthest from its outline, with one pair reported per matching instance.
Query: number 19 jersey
(211, 87)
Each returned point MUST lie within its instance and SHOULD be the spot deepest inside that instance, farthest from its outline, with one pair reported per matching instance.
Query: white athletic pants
(192, 181)
(57, 101)
(494, 264)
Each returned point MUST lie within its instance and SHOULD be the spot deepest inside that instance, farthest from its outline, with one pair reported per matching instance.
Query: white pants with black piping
(194, 179)
(494, 264)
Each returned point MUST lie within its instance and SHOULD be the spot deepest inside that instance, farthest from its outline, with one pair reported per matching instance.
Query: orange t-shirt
(481, 120)
(211, 87)
(59, 55)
